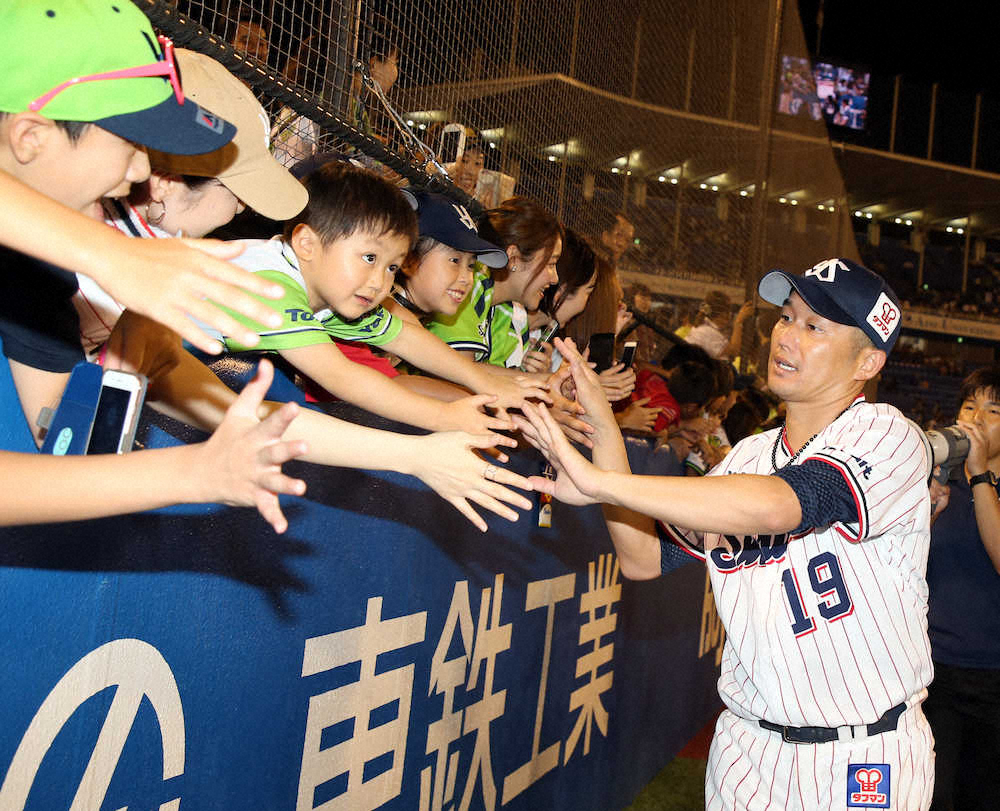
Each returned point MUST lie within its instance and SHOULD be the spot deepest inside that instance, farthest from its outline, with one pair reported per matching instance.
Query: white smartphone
(117, 415)
(628, 353)
(452, 143)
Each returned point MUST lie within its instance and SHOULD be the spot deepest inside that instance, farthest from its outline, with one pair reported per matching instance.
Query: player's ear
(870, 362)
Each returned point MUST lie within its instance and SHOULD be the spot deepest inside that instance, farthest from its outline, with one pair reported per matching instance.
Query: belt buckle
(784, 735)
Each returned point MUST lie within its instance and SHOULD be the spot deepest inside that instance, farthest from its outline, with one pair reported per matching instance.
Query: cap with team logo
(842, 291)
(99, 61)
(447, 222)
(246, 166)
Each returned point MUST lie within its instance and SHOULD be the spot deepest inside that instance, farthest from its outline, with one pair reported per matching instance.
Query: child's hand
(177, 280)
(467, 415)
(618, 382)
(445, 462)
(638, 417)
(512, 391)
(242, 459)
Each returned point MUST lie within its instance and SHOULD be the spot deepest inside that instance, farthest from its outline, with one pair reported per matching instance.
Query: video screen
(835, 93)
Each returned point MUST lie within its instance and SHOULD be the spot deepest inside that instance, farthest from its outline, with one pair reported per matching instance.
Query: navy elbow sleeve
(823, 493)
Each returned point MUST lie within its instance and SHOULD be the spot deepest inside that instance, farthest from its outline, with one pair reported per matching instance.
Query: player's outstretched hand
(577, 480)
(243, 458)
(177, 280)
(567, 411)
(589, 392)
(446, 463)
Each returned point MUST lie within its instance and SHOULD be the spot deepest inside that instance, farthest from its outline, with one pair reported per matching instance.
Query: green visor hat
(99, 61)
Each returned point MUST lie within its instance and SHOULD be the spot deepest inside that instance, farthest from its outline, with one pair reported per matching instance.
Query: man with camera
(963, 577)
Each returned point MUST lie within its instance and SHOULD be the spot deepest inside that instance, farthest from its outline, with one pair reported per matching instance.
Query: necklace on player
(795, 456)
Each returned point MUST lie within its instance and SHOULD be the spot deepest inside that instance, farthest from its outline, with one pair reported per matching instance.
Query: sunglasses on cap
(163, 67)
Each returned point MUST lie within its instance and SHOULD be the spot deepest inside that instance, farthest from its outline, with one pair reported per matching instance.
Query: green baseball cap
(45, 43)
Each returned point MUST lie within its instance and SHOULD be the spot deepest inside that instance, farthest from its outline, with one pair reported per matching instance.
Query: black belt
(886, 723)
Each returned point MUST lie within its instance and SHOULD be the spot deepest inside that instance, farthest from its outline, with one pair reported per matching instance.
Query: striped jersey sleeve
(881, 457)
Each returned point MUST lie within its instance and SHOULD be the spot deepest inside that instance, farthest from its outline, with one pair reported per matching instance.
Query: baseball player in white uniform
(816, 537)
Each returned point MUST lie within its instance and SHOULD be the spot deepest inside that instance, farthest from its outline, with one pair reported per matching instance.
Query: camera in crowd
(946, 448)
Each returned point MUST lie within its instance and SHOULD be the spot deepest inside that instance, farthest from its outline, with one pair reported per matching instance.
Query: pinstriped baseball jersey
(828, 627)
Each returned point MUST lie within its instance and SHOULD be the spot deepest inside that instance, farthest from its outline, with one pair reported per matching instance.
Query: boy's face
(80, 174)
(352, 275)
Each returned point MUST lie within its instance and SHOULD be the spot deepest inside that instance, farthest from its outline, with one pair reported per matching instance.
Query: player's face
(983, 409)
(813, 360)
(352, 275)
(442, 280)
(537, 272)
(81, 174)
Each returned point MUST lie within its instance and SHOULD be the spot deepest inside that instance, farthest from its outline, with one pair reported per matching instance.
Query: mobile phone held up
(602, 350)
(628, 353)
(117, 414)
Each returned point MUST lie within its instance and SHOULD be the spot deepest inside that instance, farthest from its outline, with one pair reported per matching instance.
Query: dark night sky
(957, 47)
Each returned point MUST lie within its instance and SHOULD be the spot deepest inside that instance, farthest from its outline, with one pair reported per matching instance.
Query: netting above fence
(657, 111)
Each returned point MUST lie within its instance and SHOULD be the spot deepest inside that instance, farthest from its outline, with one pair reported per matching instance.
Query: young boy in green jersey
(337, 261)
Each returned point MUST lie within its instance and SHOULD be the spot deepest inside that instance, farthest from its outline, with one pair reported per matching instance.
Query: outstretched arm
(239, 465)
(447, 463)
(741, 504)
(171, 280)
(426, 351)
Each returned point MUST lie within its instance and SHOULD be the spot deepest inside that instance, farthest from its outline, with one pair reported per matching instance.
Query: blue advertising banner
(380, 654)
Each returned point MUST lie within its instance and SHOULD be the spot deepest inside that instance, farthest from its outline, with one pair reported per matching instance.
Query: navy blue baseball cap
(842, 291)
(447, 222)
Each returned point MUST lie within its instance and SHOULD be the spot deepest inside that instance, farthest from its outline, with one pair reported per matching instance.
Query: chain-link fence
(662, 112)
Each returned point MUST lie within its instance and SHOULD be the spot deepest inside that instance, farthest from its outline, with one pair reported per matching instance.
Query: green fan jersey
(469, 329)
(301, 326)
(509, 334)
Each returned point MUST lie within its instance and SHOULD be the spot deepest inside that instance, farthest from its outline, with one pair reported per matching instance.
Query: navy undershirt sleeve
(823, 493)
